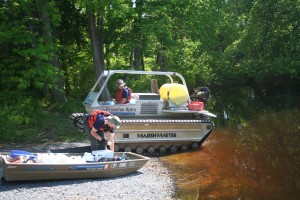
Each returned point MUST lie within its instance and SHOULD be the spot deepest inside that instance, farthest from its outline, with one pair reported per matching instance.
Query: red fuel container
(198, 106)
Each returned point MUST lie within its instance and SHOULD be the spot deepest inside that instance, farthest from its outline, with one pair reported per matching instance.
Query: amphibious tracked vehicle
(165, 119)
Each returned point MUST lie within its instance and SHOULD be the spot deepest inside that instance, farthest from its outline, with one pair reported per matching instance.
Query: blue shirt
(100, 123)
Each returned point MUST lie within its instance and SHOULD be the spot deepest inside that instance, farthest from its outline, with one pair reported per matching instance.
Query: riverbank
(152, 181)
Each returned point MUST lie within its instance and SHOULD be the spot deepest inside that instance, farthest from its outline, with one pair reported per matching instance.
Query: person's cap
(115, 120)
(120, 82)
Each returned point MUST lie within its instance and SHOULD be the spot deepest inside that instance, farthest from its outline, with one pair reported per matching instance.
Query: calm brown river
(254, 157)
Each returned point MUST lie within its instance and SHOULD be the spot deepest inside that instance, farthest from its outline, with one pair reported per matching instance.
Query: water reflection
(246, 157)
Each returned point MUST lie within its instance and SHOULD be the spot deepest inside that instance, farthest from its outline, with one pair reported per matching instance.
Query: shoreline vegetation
(52, 53)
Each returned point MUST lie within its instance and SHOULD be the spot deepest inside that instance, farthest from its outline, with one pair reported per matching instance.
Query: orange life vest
(119, 95)
(93, 116)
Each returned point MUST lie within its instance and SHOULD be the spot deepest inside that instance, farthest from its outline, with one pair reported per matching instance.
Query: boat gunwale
(134, 157)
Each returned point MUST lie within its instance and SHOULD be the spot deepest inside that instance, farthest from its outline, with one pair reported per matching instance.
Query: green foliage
(210, 42)
(27, 119)
(25, 54)
(267, 49)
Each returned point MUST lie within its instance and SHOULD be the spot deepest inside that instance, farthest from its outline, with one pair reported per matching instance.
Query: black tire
(127, 149)
(151, 149)
(162, 149)
(195, 145)
(184, 147)
(117, 148)
(173, 149)
(139, 150)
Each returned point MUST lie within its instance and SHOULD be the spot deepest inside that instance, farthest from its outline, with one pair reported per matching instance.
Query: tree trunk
(162, 60)
(98, 51)
(137, 60)
(131, 60)
(58, 93)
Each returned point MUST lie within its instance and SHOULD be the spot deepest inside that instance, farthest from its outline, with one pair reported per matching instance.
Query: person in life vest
(98, 123)
(123, 94)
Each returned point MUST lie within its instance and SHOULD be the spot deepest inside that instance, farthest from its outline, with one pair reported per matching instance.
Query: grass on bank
(30, 120)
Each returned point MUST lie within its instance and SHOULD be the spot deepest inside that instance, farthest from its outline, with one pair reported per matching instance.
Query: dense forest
(53, 50)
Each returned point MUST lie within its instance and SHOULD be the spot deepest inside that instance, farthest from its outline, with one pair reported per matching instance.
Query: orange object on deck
(198, 106)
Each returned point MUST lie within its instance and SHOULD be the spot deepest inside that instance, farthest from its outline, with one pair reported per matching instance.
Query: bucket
(176, 93)
(197, 106)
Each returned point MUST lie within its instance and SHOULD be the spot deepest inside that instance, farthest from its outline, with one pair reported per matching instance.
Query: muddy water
(257, 158)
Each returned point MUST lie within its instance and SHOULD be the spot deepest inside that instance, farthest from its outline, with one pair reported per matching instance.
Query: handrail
(109, 73)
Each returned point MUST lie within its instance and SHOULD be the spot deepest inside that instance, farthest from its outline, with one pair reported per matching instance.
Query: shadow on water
(254, 153)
